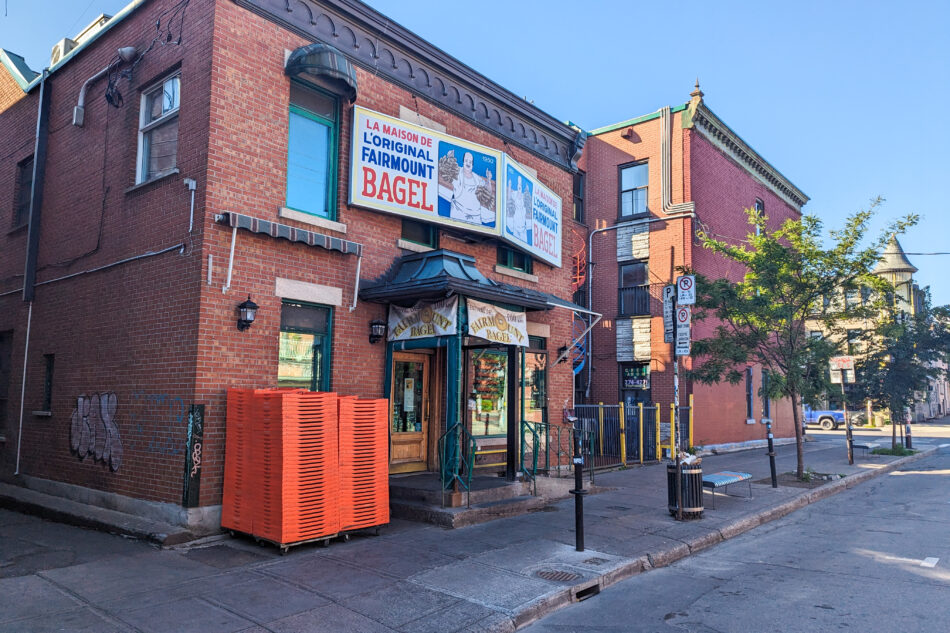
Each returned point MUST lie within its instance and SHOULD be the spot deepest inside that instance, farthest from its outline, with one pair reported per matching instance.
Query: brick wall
(720, 189)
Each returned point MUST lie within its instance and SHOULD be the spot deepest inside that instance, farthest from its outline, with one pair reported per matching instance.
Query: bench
(725, 479)
(866, 446)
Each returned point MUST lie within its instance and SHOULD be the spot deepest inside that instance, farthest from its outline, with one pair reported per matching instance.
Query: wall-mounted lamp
(247, 311)
(126, 54)
(377, 330)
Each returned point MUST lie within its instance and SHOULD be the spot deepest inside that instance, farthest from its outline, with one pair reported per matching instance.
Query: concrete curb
(661, 558)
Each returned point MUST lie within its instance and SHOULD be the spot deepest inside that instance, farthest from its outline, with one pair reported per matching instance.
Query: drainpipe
(33, 235)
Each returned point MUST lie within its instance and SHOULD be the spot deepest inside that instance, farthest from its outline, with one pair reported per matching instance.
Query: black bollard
(907, 438)
(578, 493)
(768, 428)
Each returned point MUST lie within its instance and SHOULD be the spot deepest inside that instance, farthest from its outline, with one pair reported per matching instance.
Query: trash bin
(692, 490)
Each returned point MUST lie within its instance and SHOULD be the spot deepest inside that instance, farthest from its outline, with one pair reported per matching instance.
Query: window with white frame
(158, 129)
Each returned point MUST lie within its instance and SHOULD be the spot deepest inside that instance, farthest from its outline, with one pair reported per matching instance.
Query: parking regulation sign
(668, 293)
(686, 290)
(683, 318)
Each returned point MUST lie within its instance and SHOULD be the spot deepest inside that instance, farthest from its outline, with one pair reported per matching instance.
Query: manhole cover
(620, 508)
(555, 575)
(595, 561)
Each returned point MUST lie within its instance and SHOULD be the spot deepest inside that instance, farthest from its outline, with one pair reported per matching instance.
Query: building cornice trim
(719, 134)
(377, 44)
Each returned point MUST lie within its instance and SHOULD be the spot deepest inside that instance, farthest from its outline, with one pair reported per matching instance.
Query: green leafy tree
(790, 276)
(905, 352)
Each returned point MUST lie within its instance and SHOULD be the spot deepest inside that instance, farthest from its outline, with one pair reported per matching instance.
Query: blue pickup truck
(826, 419)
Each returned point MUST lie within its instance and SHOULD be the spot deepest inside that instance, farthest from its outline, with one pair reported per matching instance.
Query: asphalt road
(875, 558)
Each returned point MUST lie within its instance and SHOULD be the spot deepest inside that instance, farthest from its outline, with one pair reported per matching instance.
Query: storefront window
(488, 391)
(535, 386)
(635, 383)
(304, 347)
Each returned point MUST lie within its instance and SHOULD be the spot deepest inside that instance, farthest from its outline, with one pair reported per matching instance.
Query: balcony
(634, 301)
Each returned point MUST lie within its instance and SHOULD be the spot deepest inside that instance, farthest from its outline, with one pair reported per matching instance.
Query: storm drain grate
(595, 561)
(555, 575)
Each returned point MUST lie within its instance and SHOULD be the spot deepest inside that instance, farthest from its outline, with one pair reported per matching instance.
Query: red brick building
(651, 183)
(313, 157)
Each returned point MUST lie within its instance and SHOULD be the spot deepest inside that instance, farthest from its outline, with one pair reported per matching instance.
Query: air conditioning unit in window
(60, 50)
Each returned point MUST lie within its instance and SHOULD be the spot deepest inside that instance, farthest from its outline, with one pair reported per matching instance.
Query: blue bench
(866, 446)
(725, 479)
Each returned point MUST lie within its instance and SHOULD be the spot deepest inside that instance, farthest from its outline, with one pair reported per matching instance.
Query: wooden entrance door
(410, 413)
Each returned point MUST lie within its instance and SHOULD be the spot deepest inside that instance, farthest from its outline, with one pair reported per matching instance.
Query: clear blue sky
(845, 98)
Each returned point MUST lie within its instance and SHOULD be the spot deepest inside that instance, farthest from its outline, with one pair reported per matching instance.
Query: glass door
(410, 412)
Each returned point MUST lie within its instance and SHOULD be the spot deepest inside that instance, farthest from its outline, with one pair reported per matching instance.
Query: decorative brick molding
(370, 40)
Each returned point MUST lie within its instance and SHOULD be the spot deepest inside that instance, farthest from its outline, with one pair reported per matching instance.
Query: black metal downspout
(36, 194)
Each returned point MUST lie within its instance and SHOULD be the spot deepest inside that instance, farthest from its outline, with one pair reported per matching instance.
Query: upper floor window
(158, 130)
(634, 181)
(760, 208)
(634, 292)
(580, 181)
(516, 260)
(420, 233)
(855, 341)
(311, 152)
(24, 187)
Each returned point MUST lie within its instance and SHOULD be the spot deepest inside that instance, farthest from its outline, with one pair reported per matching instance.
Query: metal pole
(768, 428)
(640, 427)
(578, 493)
(847, 422)
(675, 434)
(623, 435)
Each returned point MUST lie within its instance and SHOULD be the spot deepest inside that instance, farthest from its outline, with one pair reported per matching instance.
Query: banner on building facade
(423, 319)
(408, 170)
(532, 214)
(497, 324)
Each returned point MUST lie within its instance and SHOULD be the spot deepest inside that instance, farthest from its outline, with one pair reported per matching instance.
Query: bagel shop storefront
(468, 362)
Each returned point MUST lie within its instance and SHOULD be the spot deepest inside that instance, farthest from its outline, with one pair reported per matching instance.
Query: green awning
(324, 62)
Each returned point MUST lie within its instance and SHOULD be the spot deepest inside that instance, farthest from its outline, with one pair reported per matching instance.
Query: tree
(905, 352)
(790, 276)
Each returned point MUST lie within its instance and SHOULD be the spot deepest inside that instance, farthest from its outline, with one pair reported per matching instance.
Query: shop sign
(636, 378)
(531, 215)
(423, 319)
(497, 324)
(402, 168)
(408, 170)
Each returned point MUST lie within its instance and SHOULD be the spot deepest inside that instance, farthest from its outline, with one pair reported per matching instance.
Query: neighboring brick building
(651, 182)
(159, 216)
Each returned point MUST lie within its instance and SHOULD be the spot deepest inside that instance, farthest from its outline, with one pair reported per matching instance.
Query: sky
(844, 98)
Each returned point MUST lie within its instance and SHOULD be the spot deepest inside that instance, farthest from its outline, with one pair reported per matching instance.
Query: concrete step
(74, 513)
(428, 491)
(462, 516)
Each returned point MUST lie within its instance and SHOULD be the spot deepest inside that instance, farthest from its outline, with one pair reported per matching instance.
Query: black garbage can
(692, 490)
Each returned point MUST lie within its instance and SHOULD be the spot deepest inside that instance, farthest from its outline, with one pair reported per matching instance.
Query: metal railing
(547, 449)
(457, 448)
(634, 300)
(624, 434)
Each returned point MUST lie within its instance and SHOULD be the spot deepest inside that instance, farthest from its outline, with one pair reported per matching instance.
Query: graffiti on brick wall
(168, 410)
(93, 430)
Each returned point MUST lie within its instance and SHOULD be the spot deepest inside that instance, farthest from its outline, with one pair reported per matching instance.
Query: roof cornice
(719, 134)
(376, 43)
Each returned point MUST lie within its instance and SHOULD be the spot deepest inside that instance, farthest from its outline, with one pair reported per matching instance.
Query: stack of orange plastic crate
(282, 477)
(364, 463)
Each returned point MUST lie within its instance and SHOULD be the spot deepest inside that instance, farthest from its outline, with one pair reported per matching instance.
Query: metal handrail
(462, 462)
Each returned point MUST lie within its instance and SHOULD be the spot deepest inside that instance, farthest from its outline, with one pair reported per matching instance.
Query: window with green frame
(304, 351)
(420, 233)
(312, 151)
(516, 260)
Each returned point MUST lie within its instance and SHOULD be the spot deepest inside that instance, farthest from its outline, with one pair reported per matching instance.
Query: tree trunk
(799, 438)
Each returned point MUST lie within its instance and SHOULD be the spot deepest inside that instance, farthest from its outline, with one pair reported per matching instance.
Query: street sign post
(686, 290)
(842, 371)
(669, 293)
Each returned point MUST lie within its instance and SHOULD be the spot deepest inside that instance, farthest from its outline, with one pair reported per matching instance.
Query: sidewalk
(414, 577)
